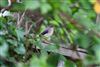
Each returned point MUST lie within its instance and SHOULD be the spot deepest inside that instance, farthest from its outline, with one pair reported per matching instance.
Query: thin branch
(29, 29)
(26, 28)
(76, 50)
(98, 18)
(20, 19)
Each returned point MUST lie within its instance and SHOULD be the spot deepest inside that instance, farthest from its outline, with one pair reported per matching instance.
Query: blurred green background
(74, 24)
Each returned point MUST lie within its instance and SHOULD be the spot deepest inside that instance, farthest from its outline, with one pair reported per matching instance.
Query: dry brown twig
(20, 19)
(27, 28)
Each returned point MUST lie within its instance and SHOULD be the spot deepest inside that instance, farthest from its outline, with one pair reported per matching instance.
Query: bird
(48, 32)
(46, 36)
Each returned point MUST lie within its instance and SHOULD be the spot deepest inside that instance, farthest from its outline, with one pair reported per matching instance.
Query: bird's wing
(44, 32)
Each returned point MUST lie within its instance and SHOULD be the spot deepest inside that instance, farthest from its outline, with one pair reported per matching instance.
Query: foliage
(74, 23)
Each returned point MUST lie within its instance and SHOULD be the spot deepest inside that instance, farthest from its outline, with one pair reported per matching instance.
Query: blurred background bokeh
(75, 41)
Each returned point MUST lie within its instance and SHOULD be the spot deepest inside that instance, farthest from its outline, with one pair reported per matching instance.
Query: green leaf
(55, 23)
(2, 20)
(4, 49)
(38, 62)
(82, 40)
(20, 34)
(45, 8)
(53, 60)
(51, 48)
(65, 7)
(97, 52)
(12, 42)
(82, 17)
(3, 3)
(37, 43)
(85, 4)
(92, 1)
(69, 63)
(31, 4)
(20, 49)
(16, 7)
(20, 65)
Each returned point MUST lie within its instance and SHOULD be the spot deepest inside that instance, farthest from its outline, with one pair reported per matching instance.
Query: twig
(76, 50)
(20, 19)
(98, 19)
(29, 29)
(26, 28)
